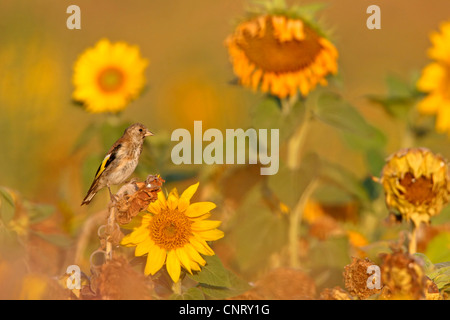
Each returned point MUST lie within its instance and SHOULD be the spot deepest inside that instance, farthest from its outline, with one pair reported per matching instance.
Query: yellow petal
(143, 247)
(162, 199)
(136, 236)
(173, 266)
(194, 255)
(199, 208)
(172, 200)
(210, 235)
(186, 196)
(204, 225)
(184, 259)
(154, 207)
(155, 260)
(200, 245)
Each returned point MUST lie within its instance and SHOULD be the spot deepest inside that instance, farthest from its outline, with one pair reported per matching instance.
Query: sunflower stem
(294, 222)
(109, 230)
(413, 239)
(297, 140)
(176, 287)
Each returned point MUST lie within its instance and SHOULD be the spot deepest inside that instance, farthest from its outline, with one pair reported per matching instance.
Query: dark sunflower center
(417, 190)
(170, 229)
(271, 55)
(110, 79)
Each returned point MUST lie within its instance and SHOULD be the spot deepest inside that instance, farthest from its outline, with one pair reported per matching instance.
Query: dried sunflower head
(356, 276)
(416, 184)
(403, 276)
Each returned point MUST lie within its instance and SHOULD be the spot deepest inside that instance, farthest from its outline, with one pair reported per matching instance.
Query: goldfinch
(121, 160)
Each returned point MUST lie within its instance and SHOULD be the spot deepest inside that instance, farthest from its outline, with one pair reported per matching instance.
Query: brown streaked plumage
(120, 161)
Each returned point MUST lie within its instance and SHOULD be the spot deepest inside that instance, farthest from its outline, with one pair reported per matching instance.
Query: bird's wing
(107, 161)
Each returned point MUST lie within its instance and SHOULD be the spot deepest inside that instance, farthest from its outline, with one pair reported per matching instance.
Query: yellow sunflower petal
(199, 208)
(173, 266)
(186, 196)
(194, 255)
(184, 259)
(154, 207)
(210, 235)
(203, 225)
(143, 247)
(172, 200)
(200, 245)
(136, 236)
(155, 260)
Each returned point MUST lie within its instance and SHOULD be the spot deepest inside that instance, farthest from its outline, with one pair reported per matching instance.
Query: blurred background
(189, 78)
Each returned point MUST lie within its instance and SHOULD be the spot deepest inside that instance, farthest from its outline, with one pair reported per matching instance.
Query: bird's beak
(148, 133)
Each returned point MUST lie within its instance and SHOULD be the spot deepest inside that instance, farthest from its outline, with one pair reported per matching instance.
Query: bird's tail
(91, 193)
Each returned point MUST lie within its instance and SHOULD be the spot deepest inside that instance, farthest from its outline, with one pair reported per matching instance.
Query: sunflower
(416, 184)
(175, 232)
(435, 80)
(108, 76)
(280, 55)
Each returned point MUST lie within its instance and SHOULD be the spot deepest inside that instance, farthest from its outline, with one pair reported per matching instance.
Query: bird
(120, 161)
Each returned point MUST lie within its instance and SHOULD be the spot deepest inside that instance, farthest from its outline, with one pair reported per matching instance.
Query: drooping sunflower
(175, 231)
(416, 184)
(435, 80)
(108, 76)
(281, 55)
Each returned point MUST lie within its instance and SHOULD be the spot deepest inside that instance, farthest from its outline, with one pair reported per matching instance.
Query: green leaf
(438, 249)
(359, 134)
(237, 287)
(400, 99)
(289, 184)
(193, 293)
(439, 272)
(59, 240)
(258, 232)
(345, 180)
(213, 273)
(375, 160)
(7, 206)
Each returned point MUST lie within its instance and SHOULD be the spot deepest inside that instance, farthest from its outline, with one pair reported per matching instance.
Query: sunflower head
(435, 80)
(108, 76)
(281, 53)
(416, 183)
(174, 232)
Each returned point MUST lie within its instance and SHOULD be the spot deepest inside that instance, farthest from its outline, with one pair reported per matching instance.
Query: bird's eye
(140, 130)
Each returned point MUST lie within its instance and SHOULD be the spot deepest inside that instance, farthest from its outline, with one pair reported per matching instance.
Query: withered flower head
(117, 280)
(403, 276)
(356, 276)
(416, 184)
(135, 197)
(281, 54)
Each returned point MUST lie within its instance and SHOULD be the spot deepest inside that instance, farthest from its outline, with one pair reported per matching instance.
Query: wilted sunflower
(435, 80)
(416, 184)
(175, 232)
(108, 76)
(280, 55)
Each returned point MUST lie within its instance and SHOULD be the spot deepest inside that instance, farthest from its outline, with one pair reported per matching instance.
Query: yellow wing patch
(102, 166)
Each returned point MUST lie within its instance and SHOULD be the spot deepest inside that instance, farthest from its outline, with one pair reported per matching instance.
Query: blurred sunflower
(175, 232)
(416, 184)
(281, 53)
(435, 80)
(108, 76)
